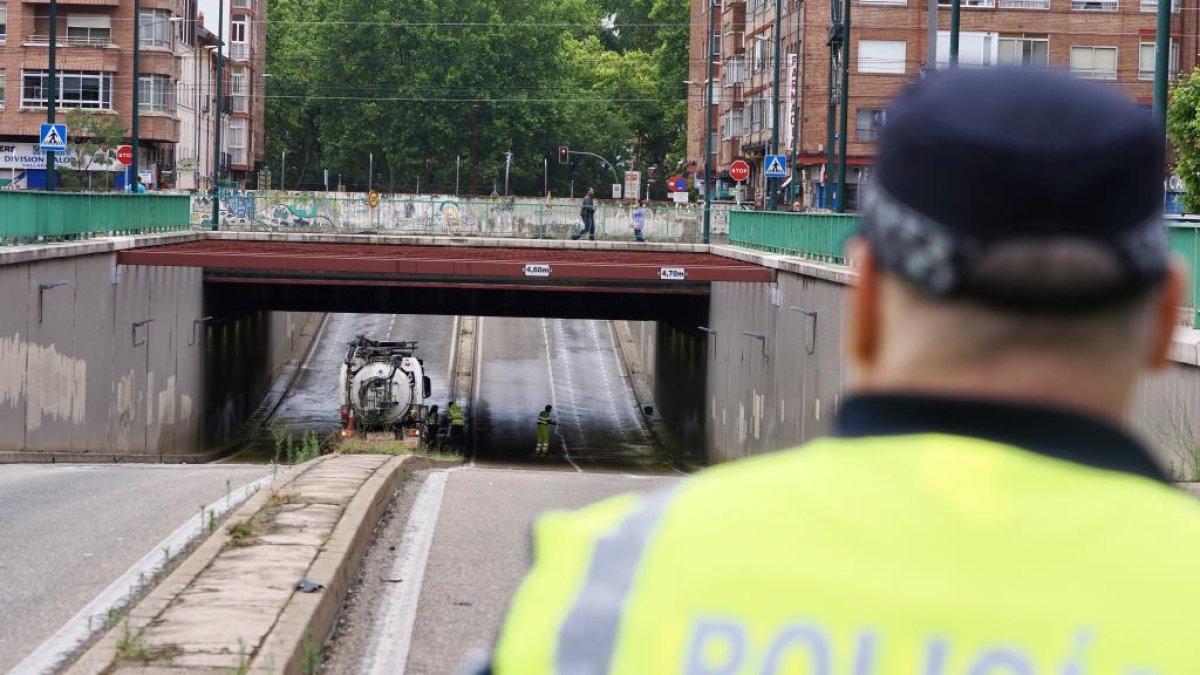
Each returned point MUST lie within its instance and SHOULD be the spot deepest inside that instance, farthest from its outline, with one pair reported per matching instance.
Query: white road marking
(387, 653)
(475, 378)
(554, 396)
(57, 647)
(602, 359)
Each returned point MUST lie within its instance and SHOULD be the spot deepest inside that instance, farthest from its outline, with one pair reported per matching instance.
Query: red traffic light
(564, 154)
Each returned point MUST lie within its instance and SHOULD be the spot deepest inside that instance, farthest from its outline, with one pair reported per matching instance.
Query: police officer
(983, 508)
(544, 421)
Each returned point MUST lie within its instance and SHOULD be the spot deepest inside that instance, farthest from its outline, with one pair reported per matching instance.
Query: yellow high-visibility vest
(922, 554)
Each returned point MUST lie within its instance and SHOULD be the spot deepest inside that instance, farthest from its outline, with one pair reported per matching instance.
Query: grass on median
(132, 646)
(362, 446)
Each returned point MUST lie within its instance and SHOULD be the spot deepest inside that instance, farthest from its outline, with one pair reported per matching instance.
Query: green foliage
(94, 139)
(292, 450)
(419, 83)
(1183, 128)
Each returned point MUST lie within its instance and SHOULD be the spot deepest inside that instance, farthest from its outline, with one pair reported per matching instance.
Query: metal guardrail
(28, 217)
(817, 236)
(1183, 237)
(447, 215)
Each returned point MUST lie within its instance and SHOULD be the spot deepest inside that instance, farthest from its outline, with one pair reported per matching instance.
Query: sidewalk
(233, 606)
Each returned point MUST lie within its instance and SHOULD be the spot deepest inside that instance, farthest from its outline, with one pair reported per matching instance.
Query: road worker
(432, 427)
(544, 421)
(983, 507)
(457, 426)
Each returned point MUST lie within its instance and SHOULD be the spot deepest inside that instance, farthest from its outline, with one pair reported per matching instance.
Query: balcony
(734, 94)
(733, 42)
(239, 51)
(1152, 6)
(88, 3)
(92, 40)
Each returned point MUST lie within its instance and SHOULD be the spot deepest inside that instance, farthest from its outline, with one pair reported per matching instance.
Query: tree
(93, 140)
(1183, 128)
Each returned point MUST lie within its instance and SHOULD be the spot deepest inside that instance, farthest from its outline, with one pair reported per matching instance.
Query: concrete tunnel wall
(81, 383)
(762, 395)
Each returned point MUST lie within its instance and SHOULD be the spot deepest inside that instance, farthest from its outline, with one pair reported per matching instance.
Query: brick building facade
(95, 72)
(1105, 40)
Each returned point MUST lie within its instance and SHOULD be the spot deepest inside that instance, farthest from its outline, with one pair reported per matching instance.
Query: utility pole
(708, 120)
(457, 172)
(507, 165)
(371, 171)
(216, 191)
(1162, 61)
(834, 43)
(955, 7)
(845, 109)
(931, 55)
(545, 176)
(474, 148)
(283, 170)
(773, 183)
(52, 103)
(136, 136)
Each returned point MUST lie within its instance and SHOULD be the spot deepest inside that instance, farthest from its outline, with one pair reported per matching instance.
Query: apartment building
(1106, 40)
(95, 42)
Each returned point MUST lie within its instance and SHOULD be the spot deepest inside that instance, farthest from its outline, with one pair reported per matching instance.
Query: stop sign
(739, 170)
(125, 154)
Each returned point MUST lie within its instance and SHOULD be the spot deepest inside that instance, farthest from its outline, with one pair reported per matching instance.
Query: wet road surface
(313, 402)
(572, 365)
(69, 531)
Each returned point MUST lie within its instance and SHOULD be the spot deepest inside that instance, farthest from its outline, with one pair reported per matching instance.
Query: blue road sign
(776, 166)
(53, 137)
(681, 184)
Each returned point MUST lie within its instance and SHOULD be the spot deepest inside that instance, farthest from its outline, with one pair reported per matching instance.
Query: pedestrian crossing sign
(53, 138)
(776, 166)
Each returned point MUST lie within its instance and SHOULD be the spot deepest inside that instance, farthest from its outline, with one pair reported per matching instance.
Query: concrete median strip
(233, 606)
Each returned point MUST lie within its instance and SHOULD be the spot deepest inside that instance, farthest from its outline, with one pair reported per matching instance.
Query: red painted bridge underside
(450, 263)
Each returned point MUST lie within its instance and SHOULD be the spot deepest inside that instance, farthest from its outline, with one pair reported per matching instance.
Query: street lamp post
(52, 82)
(773, 183)
(216, 193)
(708, 121)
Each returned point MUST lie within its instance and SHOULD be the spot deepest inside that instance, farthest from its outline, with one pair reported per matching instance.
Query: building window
(1024, 4)
(1024, 50)
(1095, 5)
(3, 79)
(89, 29)
(715, 42)
(1094, 63)
(1146, 57)
(1152, 6)
(156, 94)
(239, 89)
(894, 2)
(237, 141)
(239, 48)
(970, 3)
(882, 56)
(241, 4)
(974, 49)
(869, 123)
(154, 29)
(75, 89)
(735, 70)
(733, 124)
(3, 21)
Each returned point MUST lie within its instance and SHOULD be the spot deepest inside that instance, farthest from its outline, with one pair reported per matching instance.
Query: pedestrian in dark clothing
(588, 214)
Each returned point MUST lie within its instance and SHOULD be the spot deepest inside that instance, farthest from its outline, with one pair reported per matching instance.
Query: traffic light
(564, 154)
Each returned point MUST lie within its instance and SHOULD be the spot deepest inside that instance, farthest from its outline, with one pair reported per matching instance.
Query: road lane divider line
(93, 617)
(392, 637)
(562, 439)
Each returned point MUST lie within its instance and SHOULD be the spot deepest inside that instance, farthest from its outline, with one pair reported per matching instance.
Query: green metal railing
(1183, 237)
(28, 217)
(817, 236)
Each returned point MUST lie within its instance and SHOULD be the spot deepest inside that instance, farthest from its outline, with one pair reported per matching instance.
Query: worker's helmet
(433, 408)
(549, 408)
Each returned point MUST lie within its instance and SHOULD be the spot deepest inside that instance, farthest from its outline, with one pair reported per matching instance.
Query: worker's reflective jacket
(934, 537)
(544, 419)
(455, 414)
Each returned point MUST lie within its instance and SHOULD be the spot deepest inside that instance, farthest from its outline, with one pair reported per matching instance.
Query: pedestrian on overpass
(639, 221)
(588, 213)
(983, 507)
(544, 422)
(457, 426)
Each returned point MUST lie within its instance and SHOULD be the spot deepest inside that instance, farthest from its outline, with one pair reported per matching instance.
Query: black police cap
(973, 158)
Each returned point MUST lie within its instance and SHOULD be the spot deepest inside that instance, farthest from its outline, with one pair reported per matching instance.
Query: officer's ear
(1166, 313)
(863, 316)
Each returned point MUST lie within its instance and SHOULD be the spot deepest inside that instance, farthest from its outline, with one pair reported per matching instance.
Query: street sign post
(678, 184)
(739, 170)
(633, 184)
(373, 198)
(53, 137)
(776, 166)
(616, 190)
(125, 154)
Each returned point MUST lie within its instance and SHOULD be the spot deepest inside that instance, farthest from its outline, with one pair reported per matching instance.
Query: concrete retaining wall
(105, 363)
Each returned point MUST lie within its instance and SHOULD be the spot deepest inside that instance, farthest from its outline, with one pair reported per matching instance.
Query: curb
(306, 619)
(309, 618)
